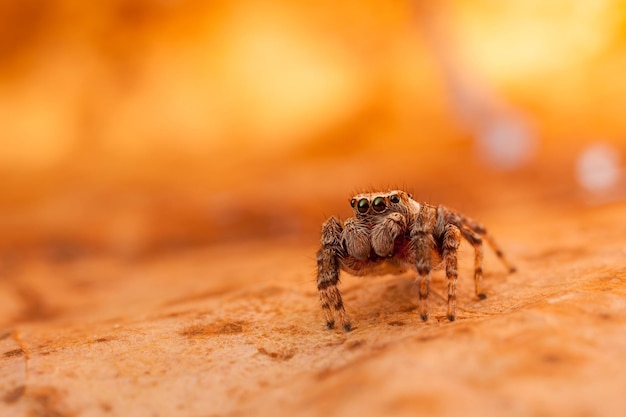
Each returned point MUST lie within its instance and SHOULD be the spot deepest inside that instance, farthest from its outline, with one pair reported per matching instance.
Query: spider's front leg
(328, 274)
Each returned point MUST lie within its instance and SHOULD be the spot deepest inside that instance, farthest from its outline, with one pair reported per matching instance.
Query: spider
(391, 232)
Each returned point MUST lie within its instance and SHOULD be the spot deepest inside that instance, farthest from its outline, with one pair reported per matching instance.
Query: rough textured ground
(153, 154)
(237, 330)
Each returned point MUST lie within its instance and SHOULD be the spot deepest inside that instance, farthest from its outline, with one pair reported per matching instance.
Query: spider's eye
(352, 202)
(379, 204)
(394, 199)
(364, 205)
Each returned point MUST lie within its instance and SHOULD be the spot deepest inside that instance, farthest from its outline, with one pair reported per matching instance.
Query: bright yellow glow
(512, 40)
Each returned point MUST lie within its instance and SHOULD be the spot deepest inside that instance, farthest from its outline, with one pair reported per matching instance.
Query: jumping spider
(390, 229)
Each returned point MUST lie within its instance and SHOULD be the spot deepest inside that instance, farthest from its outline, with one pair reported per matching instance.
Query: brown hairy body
(391, 232)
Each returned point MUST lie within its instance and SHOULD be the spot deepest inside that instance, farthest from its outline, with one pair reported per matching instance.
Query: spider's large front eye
(364, 205)
(379, 204)
(394, 199)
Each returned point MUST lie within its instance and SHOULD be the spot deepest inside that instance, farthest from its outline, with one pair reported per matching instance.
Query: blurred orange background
(135, 127)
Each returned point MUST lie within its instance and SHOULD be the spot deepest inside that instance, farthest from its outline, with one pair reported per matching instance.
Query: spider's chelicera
(392, 230)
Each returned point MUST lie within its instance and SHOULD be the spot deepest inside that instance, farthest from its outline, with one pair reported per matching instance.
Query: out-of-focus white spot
(598, 167)
(506, 143)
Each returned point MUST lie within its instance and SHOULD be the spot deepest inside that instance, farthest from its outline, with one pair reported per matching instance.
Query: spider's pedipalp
(356, 239)
(385, 233)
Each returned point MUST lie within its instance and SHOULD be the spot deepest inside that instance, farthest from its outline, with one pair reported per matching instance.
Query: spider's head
(380, 203)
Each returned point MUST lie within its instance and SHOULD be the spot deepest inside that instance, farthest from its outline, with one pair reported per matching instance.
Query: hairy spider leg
(478, 228)
(423, 244)
(451, 241)
(475, 240)
(328, 275)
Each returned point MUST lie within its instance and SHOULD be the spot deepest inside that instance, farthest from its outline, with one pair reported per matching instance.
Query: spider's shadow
(373, 298)
(397, 297)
